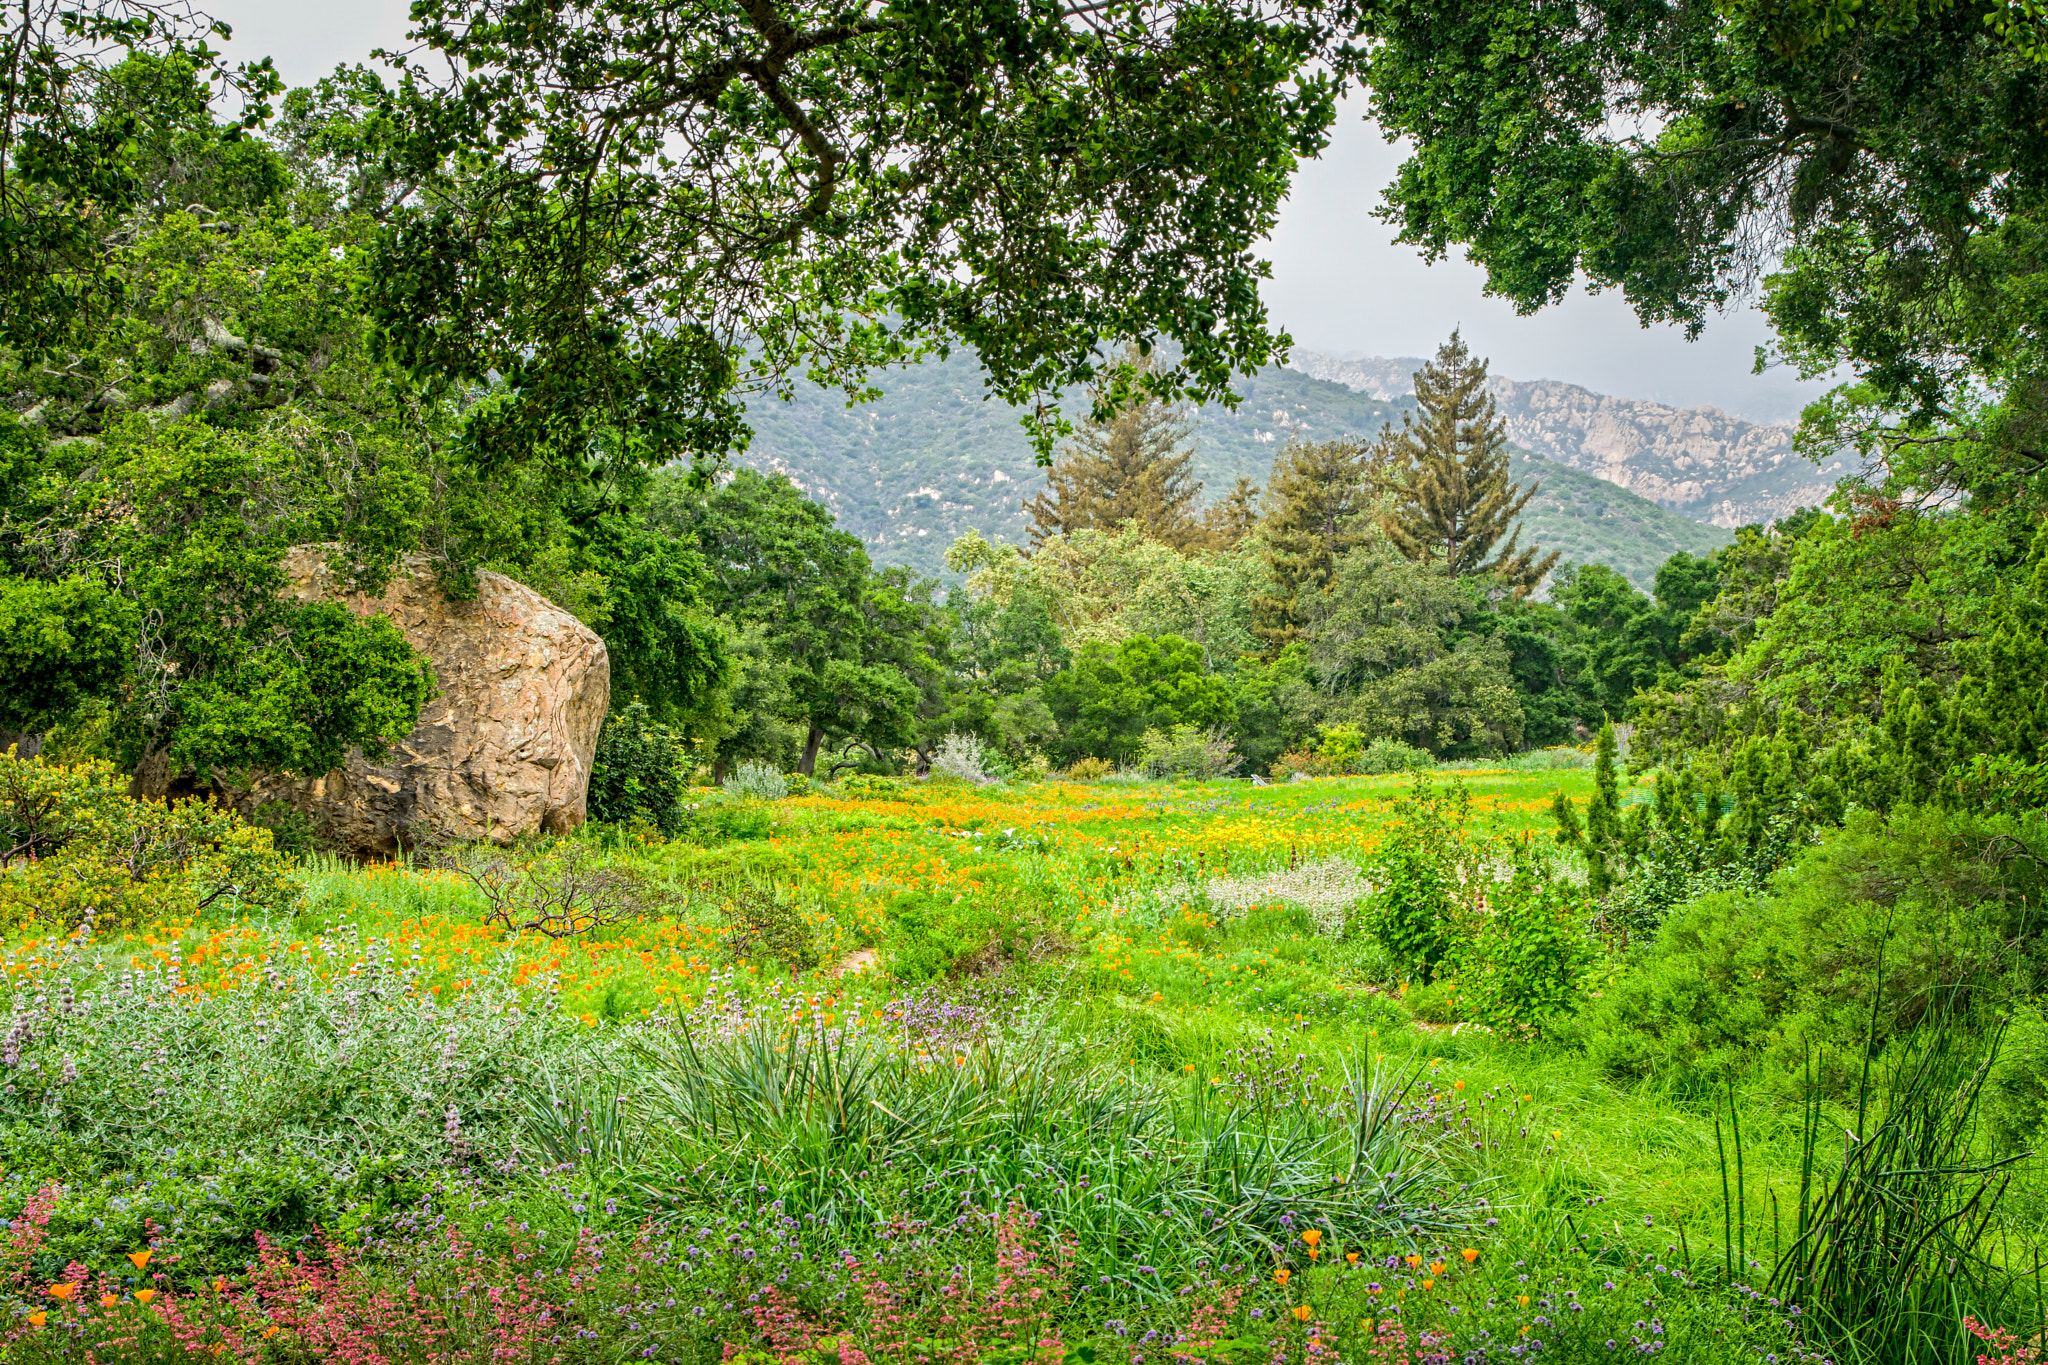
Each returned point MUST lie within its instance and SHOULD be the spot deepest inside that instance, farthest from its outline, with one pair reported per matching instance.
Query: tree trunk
(816, 737)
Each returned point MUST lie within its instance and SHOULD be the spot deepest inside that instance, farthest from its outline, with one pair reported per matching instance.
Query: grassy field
(899, 1072)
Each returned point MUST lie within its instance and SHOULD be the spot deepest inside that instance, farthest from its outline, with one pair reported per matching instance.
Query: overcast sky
(1340, 285)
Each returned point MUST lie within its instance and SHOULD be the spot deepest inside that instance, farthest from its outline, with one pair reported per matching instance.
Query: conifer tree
(1319, 506)
(1138, 467)
(1228, 522)
(1453, 501)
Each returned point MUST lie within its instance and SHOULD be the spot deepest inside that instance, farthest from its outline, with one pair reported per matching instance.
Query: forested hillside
(930, 460)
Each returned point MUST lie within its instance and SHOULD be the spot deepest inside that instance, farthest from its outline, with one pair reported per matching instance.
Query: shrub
(638, 772)
(766, 919)
(1298, 763)
(1088, 769)
(756, 781)
(1190, 752)
(931, 937)
(76, 849)
(1884, 924)
(1525, 966)
(1386, 755)
(1338, 747)
(963, 758)
(559, 893)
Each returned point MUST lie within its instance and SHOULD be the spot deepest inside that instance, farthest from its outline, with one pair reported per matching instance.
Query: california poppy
(144, 1295)
(1303, 1311)
(1470, 1254)
(1313, 1236)
(1281, 1275)
(38, 1318)
(109, 1300)
(141, 1258)
(1351, 1256)
(1429, 1284)
(63, 1291)
(1414, 1261)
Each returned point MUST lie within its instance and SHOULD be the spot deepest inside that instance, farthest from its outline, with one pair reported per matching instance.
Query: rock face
(503, 752)
(1698, 461)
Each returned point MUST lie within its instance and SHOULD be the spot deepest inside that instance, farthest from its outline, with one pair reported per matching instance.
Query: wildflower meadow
(1066, 1071)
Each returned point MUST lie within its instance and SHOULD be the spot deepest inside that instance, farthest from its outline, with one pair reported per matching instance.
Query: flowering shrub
(75, 849)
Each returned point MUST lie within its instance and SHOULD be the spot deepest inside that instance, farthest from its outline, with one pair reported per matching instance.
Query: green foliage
(931, 936)
(1888, 923)
(1188, 751)
(772, 920)
(1111, 696)
(1452, 500)
(76, 851)
(1526, 965)
(494, 268)
(638, 772)
(1419, 876)
(1383, 655)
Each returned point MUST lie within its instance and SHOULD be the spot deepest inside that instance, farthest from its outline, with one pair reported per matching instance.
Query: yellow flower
(1557, 1132)
(1414, 1261)
(141, 1258)
(1522, 1300)
(1303, 1311)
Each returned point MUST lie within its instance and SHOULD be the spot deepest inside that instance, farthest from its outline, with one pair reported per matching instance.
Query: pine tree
(1453, 502)
(1228, 522)
(1137, 467)
(1319, 506)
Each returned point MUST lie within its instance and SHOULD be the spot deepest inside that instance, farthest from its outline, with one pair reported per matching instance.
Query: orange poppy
(1351, 1256)
(141, 1258)
(109, 1300)
(1414, 1261)
(1282, 1275)
(144, 1295)
(63, 1291)
(38, 1318)
(1313, 1236)
(1429, 1284)
(1470, 1254)
(1303, 1311)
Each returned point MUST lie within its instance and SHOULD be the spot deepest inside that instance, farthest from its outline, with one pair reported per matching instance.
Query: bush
(1088, 769)
(1525, 966)
(963, 758)
(1385, 755)
(1190, 752)
(559, 893)
(1885, 924)
(766, 919)
(76, 849)
(638, 773)
(931, 937)
(756, 781)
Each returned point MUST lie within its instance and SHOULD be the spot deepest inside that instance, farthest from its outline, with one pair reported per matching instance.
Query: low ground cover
(1336, 1069)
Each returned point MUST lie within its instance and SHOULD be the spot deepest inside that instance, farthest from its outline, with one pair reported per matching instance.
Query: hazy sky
(1339, 284)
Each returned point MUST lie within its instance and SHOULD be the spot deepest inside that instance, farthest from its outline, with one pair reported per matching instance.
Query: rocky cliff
(1700, 461)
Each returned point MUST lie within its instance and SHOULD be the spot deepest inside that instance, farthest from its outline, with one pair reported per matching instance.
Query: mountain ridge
(915, 470)
(1699, 461)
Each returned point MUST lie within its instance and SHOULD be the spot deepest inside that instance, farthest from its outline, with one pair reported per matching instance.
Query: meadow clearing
(895, 1071)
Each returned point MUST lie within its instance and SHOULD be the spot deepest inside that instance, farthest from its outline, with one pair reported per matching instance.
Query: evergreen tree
(1318, 508)
(1453, 501)
(1138, 467)
(1228, 522)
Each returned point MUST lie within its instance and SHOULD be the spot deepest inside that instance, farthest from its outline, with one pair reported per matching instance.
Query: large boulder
(502, 753)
